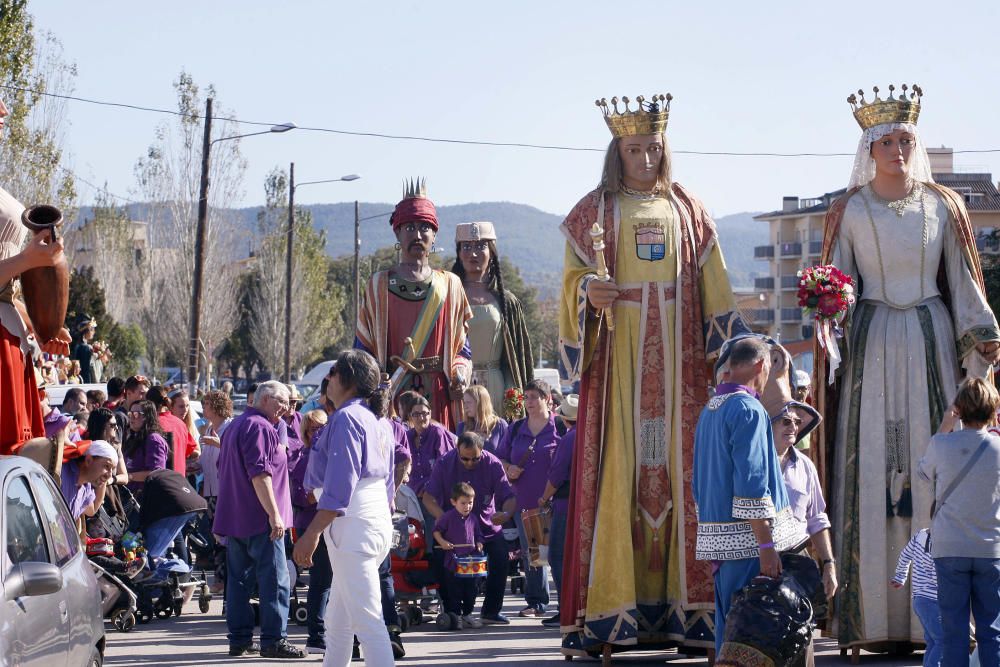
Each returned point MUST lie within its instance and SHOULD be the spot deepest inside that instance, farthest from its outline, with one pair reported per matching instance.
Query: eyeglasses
(420, 415)
(472, 246)
(471, 459)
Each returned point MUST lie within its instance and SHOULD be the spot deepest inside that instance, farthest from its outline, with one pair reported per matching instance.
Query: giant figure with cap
(920, 323)
(501, 347)
(414, 319)
(630, 569)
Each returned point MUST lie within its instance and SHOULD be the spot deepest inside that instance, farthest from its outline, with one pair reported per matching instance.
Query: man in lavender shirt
(484, 472)
(804, 493)
(253, 511)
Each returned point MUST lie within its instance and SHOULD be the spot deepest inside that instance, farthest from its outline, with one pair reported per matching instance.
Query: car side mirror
(30, 579)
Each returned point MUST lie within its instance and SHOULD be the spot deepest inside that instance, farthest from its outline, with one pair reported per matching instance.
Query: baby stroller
(168, 505)
(416, 588)
(118, 602)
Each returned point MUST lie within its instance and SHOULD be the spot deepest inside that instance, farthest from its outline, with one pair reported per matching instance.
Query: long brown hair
(611, 177)
(485, 419)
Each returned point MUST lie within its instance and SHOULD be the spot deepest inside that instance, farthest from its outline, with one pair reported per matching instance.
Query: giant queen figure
(646, 305)
(920, 322)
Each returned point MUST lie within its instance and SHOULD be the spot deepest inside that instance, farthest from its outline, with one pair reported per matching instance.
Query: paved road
(200, 639)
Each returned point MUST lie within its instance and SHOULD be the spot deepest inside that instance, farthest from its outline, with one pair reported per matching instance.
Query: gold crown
(650, 118)
(415, 188)
(891, 110)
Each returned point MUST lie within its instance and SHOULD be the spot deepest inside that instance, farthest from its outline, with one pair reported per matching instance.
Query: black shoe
(316, 647)
(397, 644)
(552, 621)
(253, 648)
(283, 650)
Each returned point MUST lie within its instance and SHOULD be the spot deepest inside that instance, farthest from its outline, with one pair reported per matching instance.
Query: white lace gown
(901, 374)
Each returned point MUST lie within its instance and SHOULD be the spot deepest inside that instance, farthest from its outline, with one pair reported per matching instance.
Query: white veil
(864, 165)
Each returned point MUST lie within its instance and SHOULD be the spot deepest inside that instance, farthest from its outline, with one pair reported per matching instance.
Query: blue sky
(746, 77)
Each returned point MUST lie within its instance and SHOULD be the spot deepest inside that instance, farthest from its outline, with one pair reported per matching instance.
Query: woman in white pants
(352, 462)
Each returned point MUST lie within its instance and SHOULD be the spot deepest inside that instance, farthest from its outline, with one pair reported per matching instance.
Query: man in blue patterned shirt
(744, 518)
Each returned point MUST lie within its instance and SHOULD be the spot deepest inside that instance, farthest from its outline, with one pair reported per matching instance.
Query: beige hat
(567, 409)
(475, 231)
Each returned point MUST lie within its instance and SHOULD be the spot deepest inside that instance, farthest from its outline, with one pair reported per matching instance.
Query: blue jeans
(965, 583)
(929, 614)
(320, 576)
(536, 579)
(161, 533)
(557, 547)
(258, 564)
(389, 613)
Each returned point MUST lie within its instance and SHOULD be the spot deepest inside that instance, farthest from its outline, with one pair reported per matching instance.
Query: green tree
(127, 343)
(31, 153)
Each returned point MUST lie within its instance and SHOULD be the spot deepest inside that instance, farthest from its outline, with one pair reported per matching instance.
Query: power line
(445, 140)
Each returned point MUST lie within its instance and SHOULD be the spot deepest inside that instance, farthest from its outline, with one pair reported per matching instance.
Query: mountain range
(529, 237)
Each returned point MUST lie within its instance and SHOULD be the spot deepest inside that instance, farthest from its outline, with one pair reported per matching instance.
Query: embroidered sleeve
(753, 508)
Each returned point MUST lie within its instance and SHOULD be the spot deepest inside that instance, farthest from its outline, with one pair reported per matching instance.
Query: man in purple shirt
(557, 492)
(484, 472)
(253, 511)
(804, 493)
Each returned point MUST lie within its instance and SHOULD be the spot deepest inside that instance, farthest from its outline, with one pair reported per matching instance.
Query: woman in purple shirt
(145, 448)
(352, 462)
(526, 452)
(480, 418)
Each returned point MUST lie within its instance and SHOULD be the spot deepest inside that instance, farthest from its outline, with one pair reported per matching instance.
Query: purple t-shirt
(434, 443)
(151, 455)
(78, 496)
(487, 478)
(458, 529)
(491, 443)
(562, 465)
(402, 452)
(355, 445)
(534, 454)
(302, 509)
(250, 448)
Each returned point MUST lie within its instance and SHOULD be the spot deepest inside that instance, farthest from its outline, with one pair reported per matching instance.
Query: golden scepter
(597, 234)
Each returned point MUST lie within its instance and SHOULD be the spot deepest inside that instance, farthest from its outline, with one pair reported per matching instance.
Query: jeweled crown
(902, 109)
(650, 118)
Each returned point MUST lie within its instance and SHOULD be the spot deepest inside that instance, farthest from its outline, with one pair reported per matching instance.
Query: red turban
(414, 209)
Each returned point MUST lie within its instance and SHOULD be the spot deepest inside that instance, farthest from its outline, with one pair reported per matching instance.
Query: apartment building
(796, 240)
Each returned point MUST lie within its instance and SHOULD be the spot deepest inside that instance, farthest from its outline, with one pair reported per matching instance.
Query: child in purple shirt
(457, 533)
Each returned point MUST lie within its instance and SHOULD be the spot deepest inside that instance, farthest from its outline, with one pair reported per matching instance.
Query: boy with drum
(457, 532)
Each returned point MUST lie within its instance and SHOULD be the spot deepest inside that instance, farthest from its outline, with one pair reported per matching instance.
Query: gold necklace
(878, 247)
(640, 194)
(899, 205)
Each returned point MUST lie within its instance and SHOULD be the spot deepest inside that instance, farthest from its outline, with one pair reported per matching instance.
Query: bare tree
(316, 304)
(168, 178)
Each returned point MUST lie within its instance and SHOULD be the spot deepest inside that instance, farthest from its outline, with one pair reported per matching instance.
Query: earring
(434, 248)
(398, 246)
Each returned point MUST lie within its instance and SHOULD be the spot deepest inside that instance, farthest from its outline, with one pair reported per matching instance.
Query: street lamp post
(199, 238)
(290, 240)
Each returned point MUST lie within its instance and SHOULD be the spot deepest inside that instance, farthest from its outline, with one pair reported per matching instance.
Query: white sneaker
(470, 622)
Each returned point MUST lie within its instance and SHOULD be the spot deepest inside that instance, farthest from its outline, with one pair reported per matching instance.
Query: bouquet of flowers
(825, 292)
(513, 404)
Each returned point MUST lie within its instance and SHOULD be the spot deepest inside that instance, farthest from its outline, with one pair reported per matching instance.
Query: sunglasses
(791, 421)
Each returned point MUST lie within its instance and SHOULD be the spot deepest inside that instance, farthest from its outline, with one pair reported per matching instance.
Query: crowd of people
(682, 486)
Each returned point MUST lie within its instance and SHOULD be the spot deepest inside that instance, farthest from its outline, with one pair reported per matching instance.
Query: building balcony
(791, 315)
(762, 315)
(789, 282)
(791, 249)
(763, 283)
(763, 252)
(815, 247)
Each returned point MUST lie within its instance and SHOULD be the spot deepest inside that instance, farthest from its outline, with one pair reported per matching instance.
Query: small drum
(537, 523)
(470, 567)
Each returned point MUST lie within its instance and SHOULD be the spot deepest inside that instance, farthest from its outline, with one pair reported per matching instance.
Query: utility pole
(357, 256)
(199, 256)
(288, 272)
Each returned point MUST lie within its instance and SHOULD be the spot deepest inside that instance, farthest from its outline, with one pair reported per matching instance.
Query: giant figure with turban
(414, 319)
